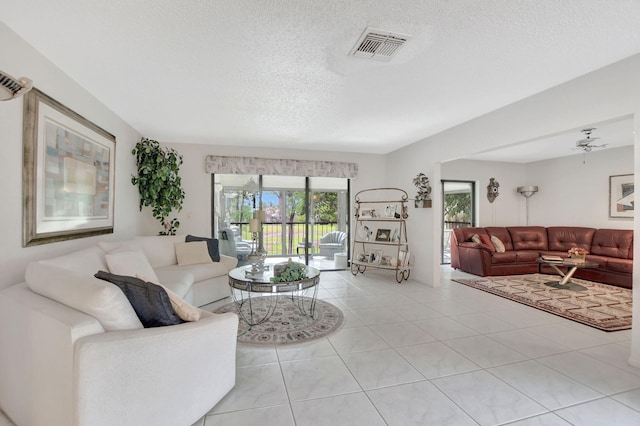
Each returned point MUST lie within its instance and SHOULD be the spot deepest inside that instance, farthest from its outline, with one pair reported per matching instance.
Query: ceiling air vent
(378, 44)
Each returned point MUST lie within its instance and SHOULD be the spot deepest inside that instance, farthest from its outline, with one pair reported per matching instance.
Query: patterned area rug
(602, 306)
(286, 325)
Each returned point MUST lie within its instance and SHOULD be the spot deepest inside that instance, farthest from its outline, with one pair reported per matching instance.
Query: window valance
(279, 167)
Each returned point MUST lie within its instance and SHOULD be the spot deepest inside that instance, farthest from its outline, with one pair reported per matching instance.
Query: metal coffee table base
(246, 286)
(244, 302)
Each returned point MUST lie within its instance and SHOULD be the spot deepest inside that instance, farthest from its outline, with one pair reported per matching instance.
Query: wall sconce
(527, 192)
(11, 88)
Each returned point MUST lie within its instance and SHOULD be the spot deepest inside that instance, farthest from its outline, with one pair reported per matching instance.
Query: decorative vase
(580, 257)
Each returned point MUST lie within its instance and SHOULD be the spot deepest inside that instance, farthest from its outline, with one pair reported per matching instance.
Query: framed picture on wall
(68, 174)
(621, 196)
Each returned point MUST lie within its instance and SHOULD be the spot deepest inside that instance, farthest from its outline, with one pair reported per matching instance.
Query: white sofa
(197, 284)
(73, 351)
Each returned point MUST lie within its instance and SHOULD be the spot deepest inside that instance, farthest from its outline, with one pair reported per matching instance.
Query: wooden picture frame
(383, 235)
(621, 188)
(68, 173)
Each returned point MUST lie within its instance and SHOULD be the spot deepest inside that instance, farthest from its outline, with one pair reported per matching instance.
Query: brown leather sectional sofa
(612, 249)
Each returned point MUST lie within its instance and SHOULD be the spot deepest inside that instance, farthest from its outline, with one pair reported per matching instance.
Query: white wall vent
(378, 44)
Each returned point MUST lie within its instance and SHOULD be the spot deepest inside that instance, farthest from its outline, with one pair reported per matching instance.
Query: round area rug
(286, 325)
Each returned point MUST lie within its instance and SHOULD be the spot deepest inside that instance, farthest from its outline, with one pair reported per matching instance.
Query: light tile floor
(409, 354)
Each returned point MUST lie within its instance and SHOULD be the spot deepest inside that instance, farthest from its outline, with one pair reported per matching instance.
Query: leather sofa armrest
(474, 258)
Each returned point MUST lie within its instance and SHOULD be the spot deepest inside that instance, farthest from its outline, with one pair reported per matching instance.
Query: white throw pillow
(497, 244)
(192, 253)
(184, 310)
(85, 293)
(130, 263)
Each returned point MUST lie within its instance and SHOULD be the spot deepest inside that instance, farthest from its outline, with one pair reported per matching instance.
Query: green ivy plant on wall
(158, 181)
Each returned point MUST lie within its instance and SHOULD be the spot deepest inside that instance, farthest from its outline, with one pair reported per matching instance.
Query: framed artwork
(383, 234)
(68, 173)
(621, 196)
(375, 257)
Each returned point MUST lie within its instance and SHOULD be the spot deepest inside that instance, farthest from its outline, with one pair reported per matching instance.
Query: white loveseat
(73, 351)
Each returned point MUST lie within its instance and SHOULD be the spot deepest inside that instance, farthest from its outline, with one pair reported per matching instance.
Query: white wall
(508, 208)
(195, 217)
(578, 192)
(19, 59)
(605, 94)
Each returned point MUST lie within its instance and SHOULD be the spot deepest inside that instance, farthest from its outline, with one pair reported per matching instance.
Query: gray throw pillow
(212, 245)
(150, 301)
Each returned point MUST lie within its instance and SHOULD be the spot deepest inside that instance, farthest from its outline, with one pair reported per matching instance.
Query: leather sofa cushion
(486, 240)
(528, 237)
(620, 265)
(515, 256)
(612, 243)
(527, 256)
(562, 238)
(465, 234)
(506, 257)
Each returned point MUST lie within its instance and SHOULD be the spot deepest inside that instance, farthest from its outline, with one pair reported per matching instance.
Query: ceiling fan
(587, 144)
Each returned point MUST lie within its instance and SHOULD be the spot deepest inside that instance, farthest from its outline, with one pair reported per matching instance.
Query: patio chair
(302, 245)
(231, 244)
(331, 243)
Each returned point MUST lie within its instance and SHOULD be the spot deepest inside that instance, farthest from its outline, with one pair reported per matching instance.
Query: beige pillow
(497, 244)
(184, 310)
(476, 238)
(192, 253)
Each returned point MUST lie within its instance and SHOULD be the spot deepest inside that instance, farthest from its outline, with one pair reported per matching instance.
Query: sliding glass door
(298, 213)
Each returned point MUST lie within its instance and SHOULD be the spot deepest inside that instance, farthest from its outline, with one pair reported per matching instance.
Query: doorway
(458, 211)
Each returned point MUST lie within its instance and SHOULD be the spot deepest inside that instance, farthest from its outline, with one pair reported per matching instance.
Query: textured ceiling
(277, 73)
(606, 135)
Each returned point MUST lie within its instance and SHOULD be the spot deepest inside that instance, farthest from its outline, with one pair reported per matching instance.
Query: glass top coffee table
(572, 266)
(246, 286)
